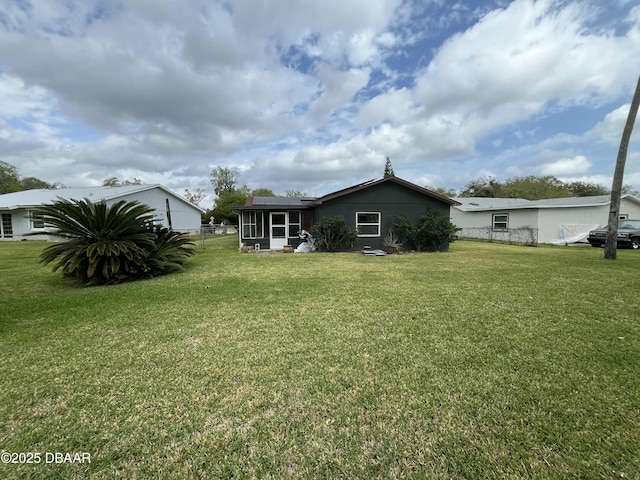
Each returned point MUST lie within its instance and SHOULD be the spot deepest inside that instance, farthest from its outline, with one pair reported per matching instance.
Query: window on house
(295, 223)
(36, 221)
(500, 221)
(6, 229)
(368, 224)
(252, 224)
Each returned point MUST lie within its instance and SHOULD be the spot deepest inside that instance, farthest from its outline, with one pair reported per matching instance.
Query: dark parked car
(628, 235)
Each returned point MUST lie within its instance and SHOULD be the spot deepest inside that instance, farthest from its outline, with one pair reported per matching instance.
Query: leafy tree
(585, 189)
(388, 169)
(9, 178)
(222, 210)
(630, 190)
(224, 179)
(333, 234)
(482, 187)
(116, 182)
(447, 192)
(195, 197)
(530, 188)
(263, 192)
(106, 245)
(295, 194)
(534, 188)
(31, 183)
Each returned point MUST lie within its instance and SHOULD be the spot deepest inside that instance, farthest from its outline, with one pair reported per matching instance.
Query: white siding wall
(551, 220)
(184, 216)
(523, 225)
(546, 221)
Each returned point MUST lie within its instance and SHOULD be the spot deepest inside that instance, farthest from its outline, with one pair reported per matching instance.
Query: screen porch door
(279, 227)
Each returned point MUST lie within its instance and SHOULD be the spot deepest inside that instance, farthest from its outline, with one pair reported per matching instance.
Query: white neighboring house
(556, 220)
(170, 209)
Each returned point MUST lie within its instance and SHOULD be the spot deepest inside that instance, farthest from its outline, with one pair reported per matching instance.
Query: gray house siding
(388, 199)
(371, 207)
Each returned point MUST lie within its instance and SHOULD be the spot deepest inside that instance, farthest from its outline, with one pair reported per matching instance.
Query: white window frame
(360, 224)
(253, 220)
(36, 222)
(495, 222)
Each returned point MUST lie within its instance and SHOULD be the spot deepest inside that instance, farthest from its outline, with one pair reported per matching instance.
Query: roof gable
(373, 183)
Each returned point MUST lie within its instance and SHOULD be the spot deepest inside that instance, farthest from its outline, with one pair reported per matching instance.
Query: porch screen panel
(252, 225)
(295, 224)
(279, 225)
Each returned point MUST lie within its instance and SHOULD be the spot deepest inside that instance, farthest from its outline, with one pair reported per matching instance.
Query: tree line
(224, 181)
(228, 194)
(11, 181)
(535, 188)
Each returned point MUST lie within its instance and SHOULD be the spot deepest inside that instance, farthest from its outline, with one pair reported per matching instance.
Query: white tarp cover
(306, 242)
(574, 233)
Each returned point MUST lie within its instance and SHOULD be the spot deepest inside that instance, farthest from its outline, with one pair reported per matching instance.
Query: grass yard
(490, 361)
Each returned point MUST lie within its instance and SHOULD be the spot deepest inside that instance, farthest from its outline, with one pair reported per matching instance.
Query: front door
(278, 229)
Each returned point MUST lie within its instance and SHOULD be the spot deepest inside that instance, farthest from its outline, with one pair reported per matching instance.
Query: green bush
(433, 233)
(333, 235)
(404, 231)
(105, 245)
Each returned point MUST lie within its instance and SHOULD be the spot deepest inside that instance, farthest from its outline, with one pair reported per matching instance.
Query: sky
(314, 96)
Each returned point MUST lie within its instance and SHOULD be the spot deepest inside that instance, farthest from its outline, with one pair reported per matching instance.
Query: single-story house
(554, 220)
(170, 209)
(270, 223)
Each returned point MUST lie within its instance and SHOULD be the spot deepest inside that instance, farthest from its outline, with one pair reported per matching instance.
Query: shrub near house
(433, 233)
(333, 234)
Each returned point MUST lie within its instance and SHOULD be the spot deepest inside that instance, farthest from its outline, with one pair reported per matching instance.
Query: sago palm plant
(107, 244)
(168, 253)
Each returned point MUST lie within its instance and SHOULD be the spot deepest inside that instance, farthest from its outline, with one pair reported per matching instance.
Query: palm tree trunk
(610, 246)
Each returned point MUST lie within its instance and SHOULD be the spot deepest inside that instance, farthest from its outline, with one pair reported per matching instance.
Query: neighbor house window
(6, 230)
(500, 221)
(368, 224)
(295, 223)
(252, 224)
(36, 221)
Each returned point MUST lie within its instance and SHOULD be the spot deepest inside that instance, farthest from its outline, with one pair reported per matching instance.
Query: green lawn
(490, 361)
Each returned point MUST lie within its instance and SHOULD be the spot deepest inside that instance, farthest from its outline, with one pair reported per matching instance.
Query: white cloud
(338, 89)
(516, 62)
(610, 129)
(567, 167)
(309, 91)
